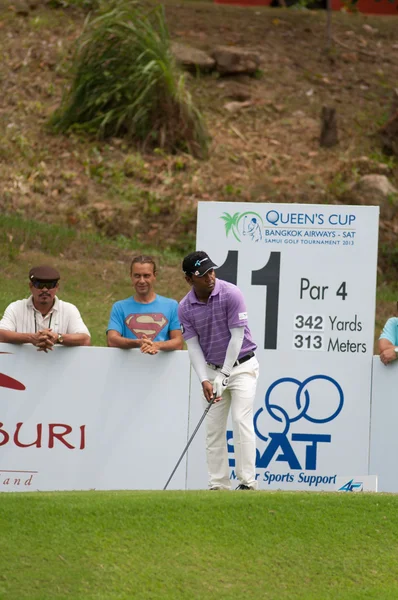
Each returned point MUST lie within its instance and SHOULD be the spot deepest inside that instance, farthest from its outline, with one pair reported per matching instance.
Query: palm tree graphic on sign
(248, 224)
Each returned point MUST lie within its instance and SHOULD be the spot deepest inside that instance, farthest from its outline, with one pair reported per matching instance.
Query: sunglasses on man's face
(40, 285)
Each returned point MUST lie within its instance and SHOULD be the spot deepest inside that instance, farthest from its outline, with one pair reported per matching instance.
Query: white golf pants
(239, 397)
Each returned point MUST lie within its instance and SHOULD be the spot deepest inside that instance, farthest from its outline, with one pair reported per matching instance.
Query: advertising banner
(384, 419)
(308, 273)
(91, 418)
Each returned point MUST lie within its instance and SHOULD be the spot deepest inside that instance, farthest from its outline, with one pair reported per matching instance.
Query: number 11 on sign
(269, 275)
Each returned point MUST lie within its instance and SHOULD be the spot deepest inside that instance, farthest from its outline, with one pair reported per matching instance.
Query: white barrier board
(308, 273)
(92, 418)
(384, 419)
(99, 418)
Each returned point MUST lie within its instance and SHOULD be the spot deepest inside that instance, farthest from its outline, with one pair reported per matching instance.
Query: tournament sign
(308, 273)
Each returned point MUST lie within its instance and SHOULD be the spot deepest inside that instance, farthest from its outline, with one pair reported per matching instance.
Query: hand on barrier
(148, 346)
(44, 340)
(220, 384)
(388, 355)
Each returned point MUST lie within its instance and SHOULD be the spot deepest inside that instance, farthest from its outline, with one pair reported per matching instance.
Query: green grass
(195, 545)
(18, 234)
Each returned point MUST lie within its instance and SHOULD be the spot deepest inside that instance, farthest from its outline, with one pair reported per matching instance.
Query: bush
(126, 83)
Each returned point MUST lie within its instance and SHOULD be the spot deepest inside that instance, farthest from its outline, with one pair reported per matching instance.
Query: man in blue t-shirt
(145, 320)
(388, 341)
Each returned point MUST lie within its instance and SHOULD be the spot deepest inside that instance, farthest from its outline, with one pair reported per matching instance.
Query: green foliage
(232, 190)
(388, 256)
(125, 83)
(338, 185)
(380, 157)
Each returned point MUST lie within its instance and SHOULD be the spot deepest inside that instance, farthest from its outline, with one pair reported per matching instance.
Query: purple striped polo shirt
(212, 320)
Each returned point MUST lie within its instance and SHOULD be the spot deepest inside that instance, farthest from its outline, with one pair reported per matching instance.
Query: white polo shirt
(21, 316)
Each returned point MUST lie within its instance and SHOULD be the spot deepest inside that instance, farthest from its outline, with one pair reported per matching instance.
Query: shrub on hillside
(125, 83)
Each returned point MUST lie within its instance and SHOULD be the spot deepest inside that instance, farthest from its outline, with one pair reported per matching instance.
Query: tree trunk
(394, 103)
(329, 136)
(389, 135)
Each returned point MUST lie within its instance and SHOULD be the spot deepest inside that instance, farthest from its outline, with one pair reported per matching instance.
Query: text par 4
(269, 276)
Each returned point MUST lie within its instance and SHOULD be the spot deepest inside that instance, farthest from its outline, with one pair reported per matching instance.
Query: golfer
(213, 320)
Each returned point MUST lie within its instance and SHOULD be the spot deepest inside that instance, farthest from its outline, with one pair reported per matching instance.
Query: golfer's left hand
(220, 384)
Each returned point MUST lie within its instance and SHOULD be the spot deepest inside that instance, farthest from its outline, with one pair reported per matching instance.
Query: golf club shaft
(190, 440)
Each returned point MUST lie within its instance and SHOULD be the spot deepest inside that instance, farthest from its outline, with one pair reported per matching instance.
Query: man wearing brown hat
(42, 319)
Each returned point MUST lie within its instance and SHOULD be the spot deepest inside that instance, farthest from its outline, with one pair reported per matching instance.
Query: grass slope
(266, 151)
(195, 545)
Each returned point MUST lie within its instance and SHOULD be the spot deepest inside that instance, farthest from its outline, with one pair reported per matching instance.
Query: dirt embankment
(265, 149)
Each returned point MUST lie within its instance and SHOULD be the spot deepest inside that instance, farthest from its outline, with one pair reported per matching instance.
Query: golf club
(190, 440)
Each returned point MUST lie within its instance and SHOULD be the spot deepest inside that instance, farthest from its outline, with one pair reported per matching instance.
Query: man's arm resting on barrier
(116, 340)
(44, 339)
(73, 339)
(387, 351)
(49, 338)
(14, 337)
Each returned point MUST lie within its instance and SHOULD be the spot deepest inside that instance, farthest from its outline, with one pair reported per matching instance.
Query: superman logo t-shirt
(154, 320)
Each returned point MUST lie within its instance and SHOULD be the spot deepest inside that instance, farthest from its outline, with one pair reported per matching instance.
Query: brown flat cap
(44, 273)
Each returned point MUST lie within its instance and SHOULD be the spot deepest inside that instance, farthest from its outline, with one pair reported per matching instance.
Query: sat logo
(288, 400)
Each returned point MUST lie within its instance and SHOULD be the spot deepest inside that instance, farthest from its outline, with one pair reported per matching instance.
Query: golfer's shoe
(242, 486)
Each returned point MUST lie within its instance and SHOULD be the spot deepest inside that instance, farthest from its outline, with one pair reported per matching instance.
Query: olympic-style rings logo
(302, 400)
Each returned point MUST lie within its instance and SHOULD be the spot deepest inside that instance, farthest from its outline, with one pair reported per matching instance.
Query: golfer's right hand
(208, 391)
